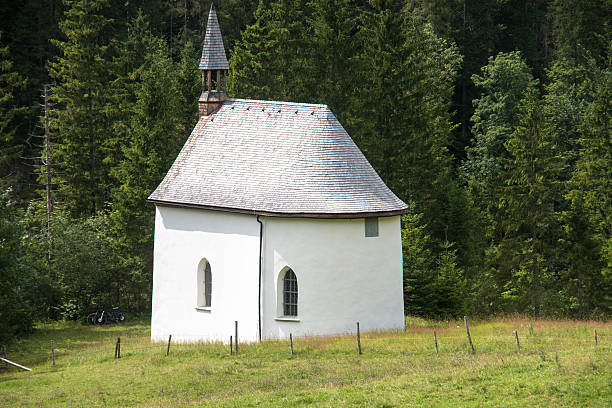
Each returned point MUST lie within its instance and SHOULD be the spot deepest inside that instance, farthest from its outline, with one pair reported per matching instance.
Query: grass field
(558, 366)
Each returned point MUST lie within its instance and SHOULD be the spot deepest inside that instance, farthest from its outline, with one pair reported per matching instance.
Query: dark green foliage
(503, 83)
(267, 62)
(250, 76)
(161, 112)
(590, 269)
(85, 267)
(400, 114)
(582, 29)
(433, 286)
(332, 47)
(475, 28)
(11, 84)
(529, 217)
(16, 280)
(491, 118)
(82, 73)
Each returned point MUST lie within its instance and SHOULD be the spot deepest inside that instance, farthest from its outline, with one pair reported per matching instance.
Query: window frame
(280, 296)
(290, 294)
(371, 228)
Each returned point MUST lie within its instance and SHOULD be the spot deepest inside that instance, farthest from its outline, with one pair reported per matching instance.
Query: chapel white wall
(230, 243)
(343, 277)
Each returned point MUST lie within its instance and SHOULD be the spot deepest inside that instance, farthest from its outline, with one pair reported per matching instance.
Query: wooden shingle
(213, 52)
(275, 158)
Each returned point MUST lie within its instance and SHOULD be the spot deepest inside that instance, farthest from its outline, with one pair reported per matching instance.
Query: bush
(16, 279)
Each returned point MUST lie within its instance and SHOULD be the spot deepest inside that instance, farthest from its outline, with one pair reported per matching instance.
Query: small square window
(371, 227)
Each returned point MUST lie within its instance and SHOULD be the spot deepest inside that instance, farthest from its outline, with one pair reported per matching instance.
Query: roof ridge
(319, 105)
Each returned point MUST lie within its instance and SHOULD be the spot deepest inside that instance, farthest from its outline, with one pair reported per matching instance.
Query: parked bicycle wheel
(91, 318)
(101, 318)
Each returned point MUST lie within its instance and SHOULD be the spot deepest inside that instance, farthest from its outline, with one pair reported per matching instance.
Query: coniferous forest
(490, 118)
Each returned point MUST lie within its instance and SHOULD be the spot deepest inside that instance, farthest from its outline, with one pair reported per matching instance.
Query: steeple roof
(213, 52)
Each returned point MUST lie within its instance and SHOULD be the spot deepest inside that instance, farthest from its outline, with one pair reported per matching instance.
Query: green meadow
(559, 365)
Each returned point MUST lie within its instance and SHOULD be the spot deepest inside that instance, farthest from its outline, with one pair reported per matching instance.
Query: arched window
(290, 294)
(204, 284)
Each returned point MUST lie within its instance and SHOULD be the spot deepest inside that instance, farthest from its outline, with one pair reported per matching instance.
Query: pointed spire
(213, 52)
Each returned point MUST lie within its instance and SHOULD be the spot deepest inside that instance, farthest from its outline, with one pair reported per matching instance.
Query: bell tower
(214, 67)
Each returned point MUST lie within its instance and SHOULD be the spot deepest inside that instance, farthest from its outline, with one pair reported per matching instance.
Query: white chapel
(271, 216)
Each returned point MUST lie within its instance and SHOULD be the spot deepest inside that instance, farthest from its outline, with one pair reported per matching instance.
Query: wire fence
(446, 341)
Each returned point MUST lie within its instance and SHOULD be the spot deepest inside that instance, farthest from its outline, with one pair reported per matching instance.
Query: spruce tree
(581, 29)
(250, 65)
(268, 62)
(16, 278)
(399, 115)
(529, 216)
(161, 102)
(474, 28)
(419, 269)
(82, 74)
(11, 150)
(503, 84)
(590, 193)
(332, 47)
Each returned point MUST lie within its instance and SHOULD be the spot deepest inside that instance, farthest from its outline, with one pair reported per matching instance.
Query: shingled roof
(275, 158)
(213, 52)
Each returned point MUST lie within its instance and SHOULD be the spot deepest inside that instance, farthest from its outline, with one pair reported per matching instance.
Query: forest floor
(559, 365)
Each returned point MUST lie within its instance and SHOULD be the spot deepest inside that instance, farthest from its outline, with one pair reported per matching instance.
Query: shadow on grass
(70, 337)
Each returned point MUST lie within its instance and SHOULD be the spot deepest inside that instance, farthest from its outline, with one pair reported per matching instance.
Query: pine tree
(574, 84)
(331, 50)
(433, 285)
(10, 83)
(450, 283)
(590, 193)
(16, 280)
(82, 73)
(162, 111)
(419, 278)
(400, 113)
(250, 65)
(503, 84)
(268, 63)
(474, 28)
(27, 26)
(529, 196)
(582, 29)
(569, 92)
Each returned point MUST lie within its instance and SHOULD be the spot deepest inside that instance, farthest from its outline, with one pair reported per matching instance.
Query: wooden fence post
(358, 339)
(291, 342)
(436, 342)
(118, 347)
(595, 336)
(168, 349)
(467, 329)
(52, 353)
(236, 335)
(231, 345)
(518, 346)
